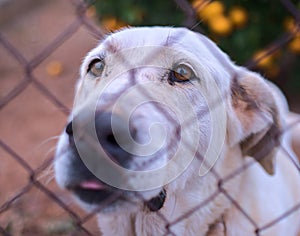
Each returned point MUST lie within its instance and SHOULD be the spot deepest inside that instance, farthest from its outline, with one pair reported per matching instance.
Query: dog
(168, 136)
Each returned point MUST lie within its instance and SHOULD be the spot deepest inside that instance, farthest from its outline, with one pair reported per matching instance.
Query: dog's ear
(256, 121)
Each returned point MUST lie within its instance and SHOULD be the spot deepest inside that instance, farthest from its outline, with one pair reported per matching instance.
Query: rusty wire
(29, 79)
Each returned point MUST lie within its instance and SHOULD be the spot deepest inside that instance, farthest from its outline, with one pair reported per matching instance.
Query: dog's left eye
(96, 67)
(181, 73)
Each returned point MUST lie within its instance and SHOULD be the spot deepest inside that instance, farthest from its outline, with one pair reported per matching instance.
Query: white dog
(191, 144)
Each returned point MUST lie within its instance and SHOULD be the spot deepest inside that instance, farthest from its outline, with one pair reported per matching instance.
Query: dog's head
(154, 106)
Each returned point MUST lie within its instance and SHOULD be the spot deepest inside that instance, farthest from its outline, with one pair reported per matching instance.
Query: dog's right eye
(96, 67)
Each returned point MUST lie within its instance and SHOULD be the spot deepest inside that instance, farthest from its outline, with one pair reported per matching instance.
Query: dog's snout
(112, 131)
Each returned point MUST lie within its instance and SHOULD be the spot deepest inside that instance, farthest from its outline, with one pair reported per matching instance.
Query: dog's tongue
(92, 185)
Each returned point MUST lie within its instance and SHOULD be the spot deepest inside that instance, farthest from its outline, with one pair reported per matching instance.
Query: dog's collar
(217, 228)
(154, 204)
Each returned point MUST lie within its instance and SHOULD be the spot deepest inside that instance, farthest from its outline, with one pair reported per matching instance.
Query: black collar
(155, 203)
(218, 227)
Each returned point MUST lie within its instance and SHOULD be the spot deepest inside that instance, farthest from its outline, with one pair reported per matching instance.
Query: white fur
(263, 197)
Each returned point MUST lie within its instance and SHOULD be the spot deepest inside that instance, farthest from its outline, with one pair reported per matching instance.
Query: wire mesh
(33, 171)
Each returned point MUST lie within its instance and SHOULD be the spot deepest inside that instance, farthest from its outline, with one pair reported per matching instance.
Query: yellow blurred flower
(211, 10)
(54, 68)
(109, 23)
(112, 24)
(289, 24)
(220, 25)
(294, 45)
(90, 12)
(263, 60)
(238, 16)
(198, 4)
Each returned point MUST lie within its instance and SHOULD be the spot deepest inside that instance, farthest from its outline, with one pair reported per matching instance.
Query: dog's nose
(111, 129)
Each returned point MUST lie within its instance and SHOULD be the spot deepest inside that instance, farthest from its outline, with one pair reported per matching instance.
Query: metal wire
(81, 21)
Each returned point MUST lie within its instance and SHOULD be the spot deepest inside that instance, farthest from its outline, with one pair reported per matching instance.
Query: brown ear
(256, 118)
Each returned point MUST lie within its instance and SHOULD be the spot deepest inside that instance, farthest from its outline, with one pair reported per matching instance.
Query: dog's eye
(181, 73)
(96, 67)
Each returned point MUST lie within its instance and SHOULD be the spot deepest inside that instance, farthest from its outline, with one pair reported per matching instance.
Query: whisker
(50, 179)
(47, 172)
(49, 139)
(50, 151)
(39, 146)
(46, 169)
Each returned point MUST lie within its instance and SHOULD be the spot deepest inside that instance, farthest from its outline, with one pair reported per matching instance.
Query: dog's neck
(134, 224)
(149, 223)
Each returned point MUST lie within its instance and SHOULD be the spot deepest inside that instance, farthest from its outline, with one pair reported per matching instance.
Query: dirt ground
(30, 123)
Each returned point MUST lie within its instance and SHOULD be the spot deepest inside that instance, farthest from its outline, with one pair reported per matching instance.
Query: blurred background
(42, 44)
(243, 29)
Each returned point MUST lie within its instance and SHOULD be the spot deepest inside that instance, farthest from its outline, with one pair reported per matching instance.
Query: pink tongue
(93, 185)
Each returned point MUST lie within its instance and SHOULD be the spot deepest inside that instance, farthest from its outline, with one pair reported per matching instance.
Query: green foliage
(141, 12)
(265, 24)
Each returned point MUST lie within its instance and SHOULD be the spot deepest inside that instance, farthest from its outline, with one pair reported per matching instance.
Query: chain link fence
(19, 198)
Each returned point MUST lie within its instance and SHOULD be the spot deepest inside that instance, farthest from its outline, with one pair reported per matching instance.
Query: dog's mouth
(92, 192)
(95, 192)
